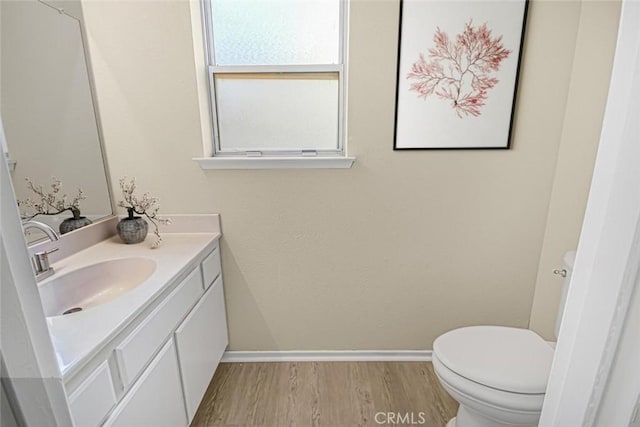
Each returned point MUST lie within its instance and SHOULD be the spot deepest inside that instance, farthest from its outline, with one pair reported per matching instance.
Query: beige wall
(580, 135)
(386, 255)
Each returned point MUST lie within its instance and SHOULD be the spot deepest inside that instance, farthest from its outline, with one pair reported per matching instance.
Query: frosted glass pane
(275, 32)
(259, 112)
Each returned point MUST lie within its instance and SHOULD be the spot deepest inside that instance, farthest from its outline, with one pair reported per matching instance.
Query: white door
(607, 267)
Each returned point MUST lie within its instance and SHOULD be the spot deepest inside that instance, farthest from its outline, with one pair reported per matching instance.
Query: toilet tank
(568, 261)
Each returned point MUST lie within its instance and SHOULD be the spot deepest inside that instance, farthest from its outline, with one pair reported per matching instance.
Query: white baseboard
(328, 356)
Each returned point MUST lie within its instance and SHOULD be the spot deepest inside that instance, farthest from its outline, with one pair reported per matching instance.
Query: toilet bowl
(497, 374)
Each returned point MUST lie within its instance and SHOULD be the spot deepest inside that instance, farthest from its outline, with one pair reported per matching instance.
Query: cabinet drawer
(93, 399)
(137, 349)
(156, 398)
(201, 341)
(211, 267)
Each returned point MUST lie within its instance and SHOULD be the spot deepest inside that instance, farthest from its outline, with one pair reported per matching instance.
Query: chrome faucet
(40, 260)
(50, 232)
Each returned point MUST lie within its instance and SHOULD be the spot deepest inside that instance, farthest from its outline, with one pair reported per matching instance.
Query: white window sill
(275, 162)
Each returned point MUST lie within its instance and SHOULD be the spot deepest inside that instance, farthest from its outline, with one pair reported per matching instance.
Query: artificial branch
(51, 203)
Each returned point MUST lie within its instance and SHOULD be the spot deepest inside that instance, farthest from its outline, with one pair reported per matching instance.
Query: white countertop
(79, 336)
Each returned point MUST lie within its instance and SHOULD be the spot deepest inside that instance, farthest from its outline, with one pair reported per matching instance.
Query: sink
(95, 284)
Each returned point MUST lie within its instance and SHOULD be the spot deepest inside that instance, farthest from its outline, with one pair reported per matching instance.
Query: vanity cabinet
(157, 371)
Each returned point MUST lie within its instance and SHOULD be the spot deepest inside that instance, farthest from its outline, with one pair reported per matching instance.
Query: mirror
(48, 112)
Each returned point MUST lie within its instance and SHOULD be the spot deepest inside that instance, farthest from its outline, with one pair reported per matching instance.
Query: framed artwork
(458, 67)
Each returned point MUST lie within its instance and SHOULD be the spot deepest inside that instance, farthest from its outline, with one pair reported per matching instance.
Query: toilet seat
(511, 360)
(486, 399)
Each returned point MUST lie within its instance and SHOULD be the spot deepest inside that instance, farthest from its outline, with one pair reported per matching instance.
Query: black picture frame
(506, 120)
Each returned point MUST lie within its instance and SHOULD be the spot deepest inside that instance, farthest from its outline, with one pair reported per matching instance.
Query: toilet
(497, 374)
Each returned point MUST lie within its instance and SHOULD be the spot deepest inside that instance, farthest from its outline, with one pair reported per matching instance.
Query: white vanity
(145, 357)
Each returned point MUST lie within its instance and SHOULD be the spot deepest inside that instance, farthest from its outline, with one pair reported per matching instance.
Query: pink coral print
(460, 71)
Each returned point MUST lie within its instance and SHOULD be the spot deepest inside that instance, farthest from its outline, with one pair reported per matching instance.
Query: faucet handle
(41, 261)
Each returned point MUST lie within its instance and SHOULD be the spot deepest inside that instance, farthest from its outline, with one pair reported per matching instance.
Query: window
(276, 76)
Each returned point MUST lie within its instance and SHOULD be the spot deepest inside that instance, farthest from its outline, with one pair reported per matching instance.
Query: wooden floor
(325, 394)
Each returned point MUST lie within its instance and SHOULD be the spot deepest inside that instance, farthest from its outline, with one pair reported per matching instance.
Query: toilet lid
(508, 359)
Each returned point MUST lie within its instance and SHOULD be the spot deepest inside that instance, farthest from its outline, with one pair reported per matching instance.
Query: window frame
(339, 68)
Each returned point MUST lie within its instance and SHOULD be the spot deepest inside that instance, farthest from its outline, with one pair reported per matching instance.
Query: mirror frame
(74, 10)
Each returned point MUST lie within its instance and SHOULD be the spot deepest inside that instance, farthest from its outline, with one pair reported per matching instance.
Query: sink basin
(95, 284)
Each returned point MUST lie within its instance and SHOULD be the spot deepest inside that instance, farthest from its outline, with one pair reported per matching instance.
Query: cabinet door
(156, 398)
(201, 341)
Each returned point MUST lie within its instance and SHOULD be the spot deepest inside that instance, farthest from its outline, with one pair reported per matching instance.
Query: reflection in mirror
(48, 115)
